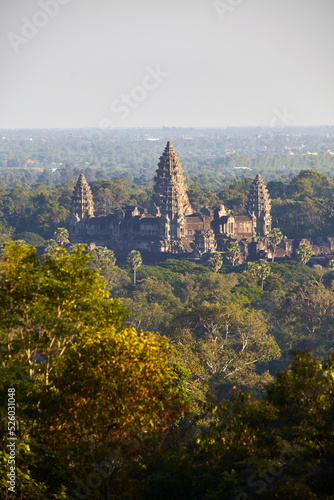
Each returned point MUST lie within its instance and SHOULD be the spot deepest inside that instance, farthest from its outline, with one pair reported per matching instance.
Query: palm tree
(105, 253)
(215, 262)
(263, 270)
(275, 237)
(259, 268)
(233, 252)
(304, 253)
(134, 260)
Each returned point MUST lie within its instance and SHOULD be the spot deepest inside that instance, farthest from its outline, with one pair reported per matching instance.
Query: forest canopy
(195, 383)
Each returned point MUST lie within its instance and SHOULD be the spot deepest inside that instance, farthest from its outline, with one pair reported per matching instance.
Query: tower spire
(259, 206)
(82, 206)
(169, 188)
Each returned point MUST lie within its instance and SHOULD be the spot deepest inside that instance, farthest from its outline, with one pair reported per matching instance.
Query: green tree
(110, 194)
(67, 294)
(308, 184)
(275, 237)
(304, 253)
(61, 236)
(235, 196)
(19, 278)
(133, 398)
(215, 262)
(319, 269)
(221, 344)
(134, 260)
(233, 252)
(114, 396)
(201, 197)
(33, 239)
(152, 305)
(50, 246)
(6, 232)
(274, 448)
(104, 261)
(309, 317)
(27, 485)
(302, 405)
(105, 253)
(43, 309)
(259, 268)
(45, 306)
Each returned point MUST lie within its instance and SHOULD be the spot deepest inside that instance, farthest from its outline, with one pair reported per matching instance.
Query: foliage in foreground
(85, 384)
(280, 447)
(108, 411)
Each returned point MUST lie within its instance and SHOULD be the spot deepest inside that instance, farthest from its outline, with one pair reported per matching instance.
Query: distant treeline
(210, 157)
(302, 206)
(211, 172)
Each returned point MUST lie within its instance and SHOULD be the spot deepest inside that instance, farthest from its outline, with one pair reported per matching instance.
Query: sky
(154, 63)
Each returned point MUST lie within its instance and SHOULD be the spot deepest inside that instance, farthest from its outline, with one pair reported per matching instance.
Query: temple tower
(259, 207)
(170, 192)
(82, 207)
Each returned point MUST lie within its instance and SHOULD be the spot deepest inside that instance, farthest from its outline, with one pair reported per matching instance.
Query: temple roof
(243, 218)
(169, 188)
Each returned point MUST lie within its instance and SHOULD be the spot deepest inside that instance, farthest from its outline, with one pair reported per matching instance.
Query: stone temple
(170, 227)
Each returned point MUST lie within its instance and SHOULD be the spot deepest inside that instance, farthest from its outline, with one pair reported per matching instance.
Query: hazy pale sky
(144, 63)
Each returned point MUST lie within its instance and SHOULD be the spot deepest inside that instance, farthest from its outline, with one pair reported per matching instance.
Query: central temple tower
(170, 193)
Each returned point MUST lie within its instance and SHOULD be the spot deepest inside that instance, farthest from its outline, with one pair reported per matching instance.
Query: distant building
(170, 227)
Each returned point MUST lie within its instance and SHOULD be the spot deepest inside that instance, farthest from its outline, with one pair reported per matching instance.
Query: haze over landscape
(208, 63)
(166, 250)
